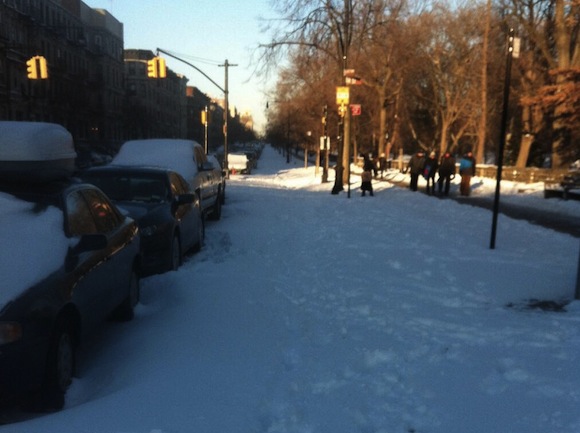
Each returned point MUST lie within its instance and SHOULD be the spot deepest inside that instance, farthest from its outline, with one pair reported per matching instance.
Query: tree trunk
(525, 146)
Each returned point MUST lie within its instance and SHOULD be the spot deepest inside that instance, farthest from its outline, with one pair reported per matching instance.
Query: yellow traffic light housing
(37, 68)
(161, 67)
(156, 68)
(152, 68)
(43, 67)
(32, 69)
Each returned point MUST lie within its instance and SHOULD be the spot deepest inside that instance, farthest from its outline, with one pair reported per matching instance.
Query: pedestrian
(382, 164)
(429, 170)
(446, 173)
(367, 176)
(466, 171)
(416, 168)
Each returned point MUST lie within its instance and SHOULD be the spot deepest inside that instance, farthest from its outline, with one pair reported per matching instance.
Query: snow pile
(175, 154)
(311, 312)
(33, 245)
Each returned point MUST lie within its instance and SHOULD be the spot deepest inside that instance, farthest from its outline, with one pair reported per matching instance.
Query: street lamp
(513, 50)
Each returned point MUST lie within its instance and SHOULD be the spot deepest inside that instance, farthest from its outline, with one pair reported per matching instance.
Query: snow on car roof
(34, 245)
(175, 154)
(35, 141)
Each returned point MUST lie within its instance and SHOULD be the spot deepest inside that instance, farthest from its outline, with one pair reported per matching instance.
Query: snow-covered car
(68, 259)
(185, 157)
(239, 163)
(160, 200)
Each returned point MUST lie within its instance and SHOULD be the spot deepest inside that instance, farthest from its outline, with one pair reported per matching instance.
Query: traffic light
(43, 67)
(37, 68)
(152, 68)
(32, 69)
(161, 68)
(156, 68)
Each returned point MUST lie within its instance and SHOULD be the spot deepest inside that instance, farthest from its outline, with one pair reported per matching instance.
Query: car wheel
(200, 235)
(216, 212)
(60, 367)
(176, 258)
(126, 311)
(223, 196)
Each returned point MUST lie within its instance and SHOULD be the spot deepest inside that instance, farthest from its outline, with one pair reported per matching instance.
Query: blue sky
(204, 33)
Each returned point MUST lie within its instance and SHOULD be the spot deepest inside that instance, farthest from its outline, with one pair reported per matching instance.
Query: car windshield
(120, 187)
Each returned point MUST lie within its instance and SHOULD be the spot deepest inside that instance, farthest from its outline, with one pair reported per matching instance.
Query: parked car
(240, 163)
(74, 261)
(185, 157)
(220, 175)
(68, 260)
(161, 201)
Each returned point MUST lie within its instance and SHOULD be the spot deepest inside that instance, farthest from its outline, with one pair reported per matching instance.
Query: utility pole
(226, 66)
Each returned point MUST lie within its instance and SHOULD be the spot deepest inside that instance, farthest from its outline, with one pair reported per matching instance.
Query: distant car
(240, 163)
(68, 259)
(161, 201)
(220, 174)
(185, 157)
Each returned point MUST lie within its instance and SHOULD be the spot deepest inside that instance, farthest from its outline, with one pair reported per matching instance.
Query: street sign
(348, 73)
(355, 109)
(342, 95)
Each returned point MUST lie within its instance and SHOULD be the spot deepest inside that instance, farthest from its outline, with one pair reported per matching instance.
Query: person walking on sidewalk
(446, 173)
(429, 172)
(415, 166)
(466, 171)
(367, 176)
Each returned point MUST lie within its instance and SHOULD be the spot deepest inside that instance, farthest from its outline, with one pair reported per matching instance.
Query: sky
(204, 33)
(307, 312)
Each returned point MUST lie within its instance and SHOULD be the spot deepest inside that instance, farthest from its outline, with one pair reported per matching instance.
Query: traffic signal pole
(226, 65)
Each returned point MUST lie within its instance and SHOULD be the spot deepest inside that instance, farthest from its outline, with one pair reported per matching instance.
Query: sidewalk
(540, 216)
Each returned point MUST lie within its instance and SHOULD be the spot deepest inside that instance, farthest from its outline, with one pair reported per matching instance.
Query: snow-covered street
(314, 313)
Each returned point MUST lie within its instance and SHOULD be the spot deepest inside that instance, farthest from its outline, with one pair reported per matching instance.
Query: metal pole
(503, 129)
(226, 65)
(577, 294)
(205, 131)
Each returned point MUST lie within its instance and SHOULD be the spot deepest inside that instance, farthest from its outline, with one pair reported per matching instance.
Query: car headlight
(10, 332)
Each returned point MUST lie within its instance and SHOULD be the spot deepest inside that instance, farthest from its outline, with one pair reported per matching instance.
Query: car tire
(216, 211)
(176, 257)
(60, 367)
(201, 235)
(126, 311)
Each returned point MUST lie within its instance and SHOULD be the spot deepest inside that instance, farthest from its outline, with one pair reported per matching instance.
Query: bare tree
(551, 31)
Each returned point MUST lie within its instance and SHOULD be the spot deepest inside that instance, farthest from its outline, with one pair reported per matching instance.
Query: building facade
(95, 88)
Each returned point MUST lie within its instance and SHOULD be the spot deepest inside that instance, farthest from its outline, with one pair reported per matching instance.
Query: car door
(206, 185)
(102, 275)
(186, 214)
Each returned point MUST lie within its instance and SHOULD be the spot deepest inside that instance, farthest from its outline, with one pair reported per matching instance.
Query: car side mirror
(90, 242)
(182, 199)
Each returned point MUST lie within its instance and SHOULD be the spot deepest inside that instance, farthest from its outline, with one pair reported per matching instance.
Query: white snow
(33, 245)
(311, 312)
(35, 141)
(176, 154)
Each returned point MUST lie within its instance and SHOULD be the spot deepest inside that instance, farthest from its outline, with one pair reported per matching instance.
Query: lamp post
(513, 50)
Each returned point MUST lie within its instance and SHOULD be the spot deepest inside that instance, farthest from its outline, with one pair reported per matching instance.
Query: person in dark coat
(429, 170)
(382, 164)
(415, 167)
(446, 173)
(466, 171)
(367, 176)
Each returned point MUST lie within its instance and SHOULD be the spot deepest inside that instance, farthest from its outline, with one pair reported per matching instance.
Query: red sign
(355, 109)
